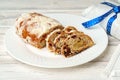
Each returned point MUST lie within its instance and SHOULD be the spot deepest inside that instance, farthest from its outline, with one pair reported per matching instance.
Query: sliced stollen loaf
(39, 31)
(59, 40)
(76, 43)
(33, 28)
(50, 39)
(68, 41)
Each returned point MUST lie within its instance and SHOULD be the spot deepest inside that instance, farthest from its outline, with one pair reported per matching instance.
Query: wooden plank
(84, 67)
(21, 71)
(46, 4)
(2, 37)
(7, 60)
(3, 30)
(3, 53)
(15, 13)
(2, 48)
(9, 19)
(43, 76)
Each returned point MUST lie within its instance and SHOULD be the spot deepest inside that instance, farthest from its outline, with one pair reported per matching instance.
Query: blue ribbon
(115, 9)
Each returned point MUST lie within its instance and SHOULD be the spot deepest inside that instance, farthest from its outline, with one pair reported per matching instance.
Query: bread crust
(69, 29)
(50, 39)
(75, 44)
(59, 40)
(26, 23)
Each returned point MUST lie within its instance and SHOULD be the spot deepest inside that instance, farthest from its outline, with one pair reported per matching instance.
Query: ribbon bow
(115, 9)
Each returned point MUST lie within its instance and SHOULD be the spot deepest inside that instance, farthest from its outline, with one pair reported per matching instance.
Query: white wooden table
(10, 69)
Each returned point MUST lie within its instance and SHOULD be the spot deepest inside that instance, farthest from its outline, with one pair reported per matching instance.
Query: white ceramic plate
(44, 58)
